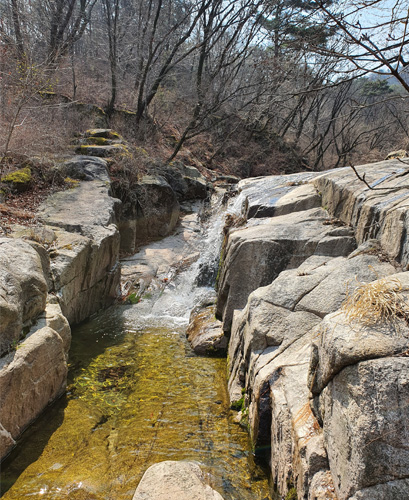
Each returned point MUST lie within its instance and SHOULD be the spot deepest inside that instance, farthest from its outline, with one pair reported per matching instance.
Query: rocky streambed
(324, 396)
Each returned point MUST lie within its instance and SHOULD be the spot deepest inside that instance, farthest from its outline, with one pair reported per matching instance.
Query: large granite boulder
(174, 481)
(374, 213)
(33, 375)
(84, 258)
(359, 378)
(278, 194)
(265, 247)
(152, 215)
(365, 425)
(187, 182)
(85, 271)
(270, 352)
(23, 290)
(85, 168)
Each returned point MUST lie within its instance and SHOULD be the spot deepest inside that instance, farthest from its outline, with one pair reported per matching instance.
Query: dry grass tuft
(376, 302)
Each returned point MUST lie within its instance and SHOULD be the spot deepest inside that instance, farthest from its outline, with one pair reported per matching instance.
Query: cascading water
(179, 292)
(138, 395)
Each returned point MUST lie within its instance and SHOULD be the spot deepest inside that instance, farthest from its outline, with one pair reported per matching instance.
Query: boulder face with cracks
(324, 399)
(84, 256)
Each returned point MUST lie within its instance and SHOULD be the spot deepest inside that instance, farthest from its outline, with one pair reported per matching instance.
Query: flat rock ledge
(325, 398)
(172, 480)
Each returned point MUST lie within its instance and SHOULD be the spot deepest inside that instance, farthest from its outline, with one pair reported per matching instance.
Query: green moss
(292, 494)
(18, 180)
(71, 183)
(97, 141)
(21, 176)
(104, 133)
(238, 405)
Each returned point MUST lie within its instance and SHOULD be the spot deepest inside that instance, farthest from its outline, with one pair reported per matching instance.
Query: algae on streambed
(135, 397)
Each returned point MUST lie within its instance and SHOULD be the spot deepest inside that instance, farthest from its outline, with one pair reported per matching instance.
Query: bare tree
(223, 75)
(372, 36)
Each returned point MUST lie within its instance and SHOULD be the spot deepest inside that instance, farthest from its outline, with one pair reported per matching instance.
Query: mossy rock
(98, 141)
(102, 151)
(105, 133)
(292, 494)
(19, 180)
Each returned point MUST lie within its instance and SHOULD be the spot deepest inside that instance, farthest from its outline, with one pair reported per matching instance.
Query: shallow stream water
(136, 395)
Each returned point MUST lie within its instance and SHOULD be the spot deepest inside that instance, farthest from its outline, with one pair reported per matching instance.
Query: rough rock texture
(380, 213)
(85, 168)
(325, 401)
(85, 271)
(85, 255)
(23, 290)
(268, 246)
(187, 182)
(174, 481)
(359, 377)
(76, 259)
(82, 208)
(365, 424)
(33, 376)
(205, 332)
(278, 194)
(153, 216)
(270, 354)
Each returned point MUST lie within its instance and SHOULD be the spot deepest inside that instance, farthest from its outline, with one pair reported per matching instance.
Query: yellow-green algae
(134, 398)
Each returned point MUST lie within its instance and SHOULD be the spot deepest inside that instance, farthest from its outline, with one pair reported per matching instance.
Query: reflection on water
(135, 397)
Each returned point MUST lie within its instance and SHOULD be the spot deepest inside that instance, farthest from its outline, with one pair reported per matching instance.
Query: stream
(137, 394)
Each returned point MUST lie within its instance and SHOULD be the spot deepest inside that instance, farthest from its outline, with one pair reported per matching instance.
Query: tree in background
(249, 79)
(372, 36)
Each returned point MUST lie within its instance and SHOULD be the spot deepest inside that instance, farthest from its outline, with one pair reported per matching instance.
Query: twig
(362, 178)
(391, 189)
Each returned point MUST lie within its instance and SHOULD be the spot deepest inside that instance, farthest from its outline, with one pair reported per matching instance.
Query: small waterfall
(172, 298)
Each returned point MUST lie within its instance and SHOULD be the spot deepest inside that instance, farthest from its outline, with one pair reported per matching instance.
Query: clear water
(136, 395)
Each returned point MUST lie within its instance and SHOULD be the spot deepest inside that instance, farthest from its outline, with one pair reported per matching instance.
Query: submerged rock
(175, 481)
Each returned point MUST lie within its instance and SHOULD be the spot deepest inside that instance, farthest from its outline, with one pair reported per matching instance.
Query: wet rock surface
(205, 332)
